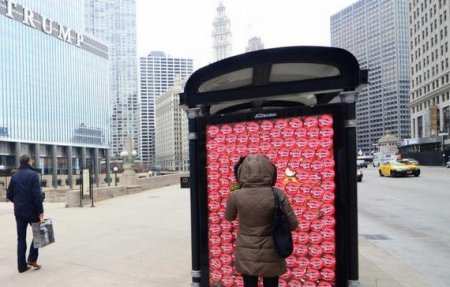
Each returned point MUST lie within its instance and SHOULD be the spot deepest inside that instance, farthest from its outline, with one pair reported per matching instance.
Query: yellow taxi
(396, 168)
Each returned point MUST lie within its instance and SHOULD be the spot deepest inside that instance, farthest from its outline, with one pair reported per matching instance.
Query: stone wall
(63, 194)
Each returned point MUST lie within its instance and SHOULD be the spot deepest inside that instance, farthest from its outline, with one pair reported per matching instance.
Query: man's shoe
(24, 270)
(35, 265)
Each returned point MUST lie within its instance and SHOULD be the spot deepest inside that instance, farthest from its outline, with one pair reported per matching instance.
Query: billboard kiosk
(296, 105)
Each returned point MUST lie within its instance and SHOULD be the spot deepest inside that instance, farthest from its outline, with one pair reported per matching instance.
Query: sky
(183, 28)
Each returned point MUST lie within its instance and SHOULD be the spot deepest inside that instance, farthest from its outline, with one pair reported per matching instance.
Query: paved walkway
(141, 240)
(136, 240)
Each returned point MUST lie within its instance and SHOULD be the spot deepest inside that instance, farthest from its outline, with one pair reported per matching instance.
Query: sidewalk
(141, 240)
(380, 269)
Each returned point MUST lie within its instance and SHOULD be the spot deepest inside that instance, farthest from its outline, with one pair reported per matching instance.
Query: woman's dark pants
(252, 281)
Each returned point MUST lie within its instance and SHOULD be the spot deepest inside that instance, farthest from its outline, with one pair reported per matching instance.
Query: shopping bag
(43, 233)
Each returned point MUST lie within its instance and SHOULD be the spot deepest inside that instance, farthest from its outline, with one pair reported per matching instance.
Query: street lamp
(115, 169)
(443, 135)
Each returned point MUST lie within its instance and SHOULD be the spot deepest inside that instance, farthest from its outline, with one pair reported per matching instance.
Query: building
(429, 24)
(221, 34)
(172, 144)
(158, 72)
(376, 32)
(54, 90)
(114, 22)
(254, 44)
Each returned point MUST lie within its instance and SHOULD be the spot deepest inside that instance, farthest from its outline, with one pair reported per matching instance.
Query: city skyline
(279, 24)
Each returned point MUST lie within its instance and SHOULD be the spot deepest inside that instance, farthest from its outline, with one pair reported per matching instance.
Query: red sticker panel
(302, 150)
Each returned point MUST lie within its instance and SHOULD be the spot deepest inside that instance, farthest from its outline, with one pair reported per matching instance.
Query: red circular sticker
(212, 131)
(287, 133)
(316, 263)
(296, 123)
(226, 129)
(304, 225)
(328, 247)
(328, 234)
(303, 262)
(315, 250)
(313, 133)
(315, 238)
(326, 143)
(327, 274)
(303, 238)
(329, 261)
(226, 259)
(300, 133)
(312, 275)
(300, 250)
(266, 125)
(214, 230)
(327, 209)
(281, 124)
(328, 221)
(216, 264)
(227, 248)
(310, 122)
(291, 262)
(239, 128)
(326, 132)
(215, 251)
(252, 127)
(325, 121)
(242, 139)
(316, 225)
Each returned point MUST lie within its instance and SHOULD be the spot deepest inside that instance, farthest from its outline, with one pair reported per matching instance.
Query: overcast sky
(183, 28)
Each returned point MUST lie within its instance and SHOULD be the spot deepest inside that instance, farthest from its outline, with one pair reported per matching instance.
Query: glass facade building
(114, 22)
(376, 32)
(54, 84)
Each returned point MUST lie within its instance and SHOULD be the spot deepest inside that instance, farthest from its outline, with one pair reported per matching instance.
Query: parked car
(395, 168)
(448, 164)
(409, 161)
(359, 175)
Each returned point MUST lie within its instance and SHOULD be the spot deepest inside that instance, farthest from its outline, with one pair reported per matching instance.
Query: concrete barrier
(104, 192)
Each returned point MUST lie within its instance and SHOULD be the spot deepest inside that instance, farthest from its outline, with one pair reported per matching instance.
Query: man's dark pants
(22, 225)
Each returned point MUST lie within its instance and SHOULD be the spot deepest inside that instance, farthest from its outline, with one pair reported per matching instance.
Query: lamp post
(443, 135)
(115, 169)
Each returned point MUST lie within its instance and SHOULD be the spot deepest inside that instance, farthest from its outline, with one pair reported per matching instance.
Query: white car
(448, 164)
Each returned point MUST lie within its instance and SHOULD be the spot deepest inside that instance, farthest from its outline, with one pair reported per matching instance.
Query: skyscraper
(254, 44)
(171, 141)
(114, 22)
(158, 72)
(221, 34)
(376, 32)
(54, 90)
(430, 102)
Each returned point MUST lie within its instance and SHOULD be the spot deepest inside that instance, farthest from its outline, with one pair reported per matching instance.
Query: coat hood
(256, 170)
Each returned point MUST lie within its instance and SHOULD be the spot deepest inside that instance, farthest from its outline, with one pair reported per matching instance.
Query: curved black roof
(272, 72)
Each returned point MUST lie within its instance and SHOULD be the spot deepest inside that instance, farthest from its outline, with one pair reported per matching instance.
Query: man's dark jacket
(25, 192)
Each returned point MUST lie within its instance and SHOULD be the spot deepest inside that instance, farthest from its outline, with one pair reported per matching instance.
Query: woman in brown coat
(254, 205)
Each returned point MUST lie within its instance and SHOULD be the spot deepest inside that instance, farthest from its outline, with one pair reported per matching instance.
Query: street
(143, 239)
(410, 218)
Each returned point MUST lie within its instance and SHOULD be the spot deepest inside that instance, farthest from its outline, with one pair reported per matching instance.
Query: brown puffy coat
(254, 205)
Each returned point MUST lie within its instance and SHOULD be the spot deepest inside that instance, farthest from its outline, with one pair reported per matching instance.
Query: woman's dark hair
(236, 167)
(241, 160)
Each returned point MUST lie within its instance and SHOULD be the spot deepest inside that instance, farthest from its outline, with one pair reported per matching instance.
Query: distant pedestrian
(25, 192)
(254, 204)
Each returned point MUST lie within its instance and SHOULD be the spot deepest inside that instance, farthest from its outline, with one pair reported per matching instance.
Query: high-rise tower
(221, 34)
(114, 22)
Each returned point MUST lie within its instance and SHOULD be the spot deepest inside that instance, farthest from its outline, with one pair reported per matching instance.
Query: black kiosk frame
(277, 83)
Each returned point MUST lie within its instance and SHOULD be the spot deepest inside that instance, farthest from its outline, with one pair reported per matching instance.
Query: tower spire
(221, 34)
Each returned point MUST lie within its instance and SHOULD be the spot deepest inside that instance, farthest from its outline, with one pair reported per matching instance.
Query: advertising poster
(302, 150)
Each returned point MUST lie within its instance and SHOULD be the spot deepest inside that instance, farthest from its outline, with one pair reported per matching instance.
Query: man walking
(25, 192)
